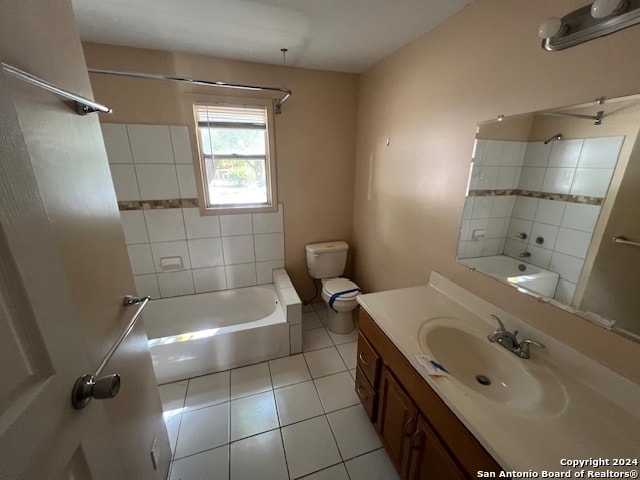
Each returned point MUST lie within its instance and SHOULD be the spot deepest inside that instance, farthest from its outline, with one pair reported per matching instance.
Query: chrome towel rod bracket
(623, 240)
(89, 386)
(84, 106)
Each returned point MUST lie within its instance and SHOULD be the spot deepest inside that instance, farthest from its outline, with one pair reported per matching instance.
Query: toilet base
(339, 322)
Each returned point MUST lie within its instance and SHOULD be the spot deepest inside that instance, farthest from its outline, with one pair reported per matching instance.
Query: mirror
(548, 193)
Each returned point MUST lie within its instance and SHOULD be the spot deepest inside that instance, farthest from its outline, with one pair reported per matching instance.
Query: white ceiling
(336, 35)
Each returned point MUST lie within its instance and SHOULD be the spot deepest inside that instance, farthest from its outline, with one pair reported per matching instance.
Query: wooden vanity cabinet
(423, 438)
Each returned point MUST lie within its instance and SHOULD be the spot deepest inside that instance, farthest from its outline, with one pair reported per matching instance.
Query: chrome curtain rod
(83, 105)
(278, 102)
(597, 118)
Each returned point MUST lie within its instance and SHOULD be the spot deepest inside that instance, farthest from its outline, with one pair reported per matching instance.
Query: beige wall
(315, 134)
(427, 99)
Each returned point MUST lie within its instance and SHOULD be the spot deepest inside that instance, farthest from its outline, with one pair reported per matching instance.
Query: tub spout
(524, 254)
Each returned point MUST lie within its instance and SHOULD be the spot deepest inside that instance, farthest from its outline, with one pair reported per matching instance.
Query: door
(42, 349)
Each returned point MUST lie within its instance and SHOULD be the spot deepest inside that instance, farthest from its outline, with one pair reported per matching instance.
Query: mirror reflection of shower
(557, 136)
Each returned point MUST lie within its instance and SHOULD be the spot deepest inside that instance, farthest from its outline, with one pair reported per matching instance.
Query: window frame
(208, 208)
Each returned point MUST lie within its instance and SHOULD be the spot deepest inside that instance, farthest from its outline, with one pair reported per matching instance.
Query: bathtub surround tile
(253, 415)
(309, 447)
(241, 275)
(550, 212)
(336, 391)
(268, 222)
(181, 144)
(292, 305)
(593, 182)
(548, 234)
(233, 225)
(141, 259)
(298, 402)
(171, 256)
(238, 249)
(250, 380)
(558, 180)
(116, 142)
(537, 154)
(175, 283)
(288, 371)
(150, 143)
(125, 182)
(295, 339)
(264, 270)
(134, 227)
(324, 362)
(566, 266)
(348, 352)
(372, 466)
(172, 396)
(565, 153)
(281, 279)
(261, 456)
(205, 252)
(207, 390)
(573, 242)
(157, 182)
(165, 225)
(580, 217)
(209, 465)
(202, 430)
(353, 431)
(600, 152)
(315, 339)
(147, 285)
(269, 246)
(186, 181)
(565, 291)
(210, 279)
(200, 226)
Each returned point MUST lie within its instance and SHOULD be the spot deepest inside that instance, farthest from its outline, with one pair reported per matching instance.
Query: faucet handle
(523, 347)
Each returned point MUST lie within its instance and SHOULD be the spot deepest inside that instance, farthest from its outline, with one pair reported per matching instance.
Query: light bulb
(604, 8)
(551, 27)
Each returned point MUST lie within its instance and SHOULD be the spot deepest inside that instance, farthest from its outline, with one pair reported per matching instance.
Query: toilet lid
(337, 285)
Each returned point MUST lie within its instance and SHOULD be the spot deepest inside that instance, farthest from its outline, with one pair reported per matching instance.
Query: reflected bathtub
(516, 272)
(210, 332)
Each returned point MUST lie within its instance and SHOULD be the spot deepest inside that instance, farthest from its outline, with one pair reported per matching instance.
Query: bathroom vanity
(533, 414)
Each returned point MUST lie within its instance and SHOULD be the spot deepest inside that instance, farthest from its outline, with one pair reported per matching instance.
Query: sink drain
(483, 380)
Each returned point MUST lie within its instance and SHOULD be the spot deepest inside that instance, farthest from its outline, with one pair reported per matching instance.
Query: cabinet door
(397, 417)
(429, 459)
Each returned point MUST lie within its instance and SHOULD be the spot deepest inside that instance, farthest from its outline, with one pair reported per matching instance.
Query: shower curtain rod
(278, 102)
(597, 118)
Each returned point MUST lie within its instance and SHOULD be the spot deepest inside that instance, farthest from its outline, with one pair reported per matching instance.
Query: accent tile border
(157, 204)
(561, 197)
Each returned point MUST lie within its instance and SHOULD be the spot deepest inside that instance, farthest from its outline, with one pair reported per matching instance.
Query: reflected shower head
(557, 136)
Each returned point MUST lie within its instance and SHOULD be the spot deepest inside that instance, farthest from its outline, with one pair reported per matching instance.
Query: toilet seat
(337, 285)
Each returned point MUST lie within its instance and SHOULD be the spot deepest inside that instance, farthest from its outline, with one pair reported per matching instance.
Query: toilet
(326, 261)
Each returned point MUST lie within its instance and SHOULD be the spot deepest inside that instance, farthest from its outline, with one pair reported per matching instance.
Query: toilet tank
(327, 259)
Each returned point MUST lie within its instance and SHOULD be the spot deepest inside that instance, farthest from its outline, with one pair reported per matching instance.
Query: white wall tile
(525, 208)
(268, 222)
(238, 249)
(116, 142)
(531, 178)
(200, 226)
(565, 153)
(513, 153)
(567, 266)
(165, 225)
(205, 252)
(157, 182)
(558, 180)
(134, 227)
(209, 279)
(508, 177)
(125, 182)
(170, 249)
(502, 206)
(497, 227)
(147, 285)
(477, 155)
(150, 143)
(550, 211)
(176, 283)
(549, 234)
(573, 242)
(141, 259)
(537, 154)
(264, 270)
(241, 275)
(540, 257)
(269, 246)
(580, 216)
(186, 181)
(484, 178)
(492, 246)
(592, 182)
(600, 152)
(492, 152)
(565, 291)
(231, 225)
(482, 207)
(469, 203)
(181, 144)
(518, 226)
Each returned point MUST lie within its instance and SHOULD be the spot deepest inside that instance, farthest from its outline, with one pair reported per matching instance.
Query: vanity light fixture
(603, 17)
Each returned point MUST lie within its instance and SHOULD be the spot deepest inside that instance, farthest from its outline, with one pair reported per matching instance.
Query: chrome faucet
(524, 254)
(509, 340)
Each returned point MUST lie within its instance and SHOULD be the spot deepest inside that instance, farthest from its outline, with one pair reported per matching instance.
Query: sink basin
(490, 370)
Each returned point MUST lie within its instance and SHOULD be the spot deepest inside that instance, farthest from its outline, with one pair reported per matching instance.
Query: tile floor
(294, 417)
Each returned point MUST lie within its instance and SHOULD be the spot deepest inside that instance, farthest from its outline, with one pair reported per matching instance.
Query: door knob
(87, 387)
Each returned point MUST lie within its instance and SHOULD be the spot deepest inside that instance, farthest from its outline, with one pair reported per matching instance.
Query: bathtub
(205, 333)
(510, 270)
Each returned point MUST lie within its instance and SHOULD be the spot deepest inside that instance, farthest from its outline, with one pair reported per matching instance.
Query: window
(236, 157)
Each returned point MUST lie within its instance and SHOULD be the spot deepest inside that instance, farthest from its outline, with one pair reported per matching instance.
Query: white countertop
(601, 417)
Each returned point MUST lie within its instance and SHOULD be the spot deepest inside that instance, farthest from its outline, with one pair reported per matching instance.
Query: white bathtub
(209, 332)
(509, 270)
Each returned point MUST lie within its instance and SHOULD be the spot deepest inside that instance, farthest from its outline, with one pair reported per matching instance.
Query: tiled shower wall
(172, 248)
(552, 194)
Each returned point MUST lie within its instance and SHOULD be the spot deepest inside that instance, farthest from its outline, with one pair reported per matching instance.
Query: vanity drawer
(366, 394)
(368, 361)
